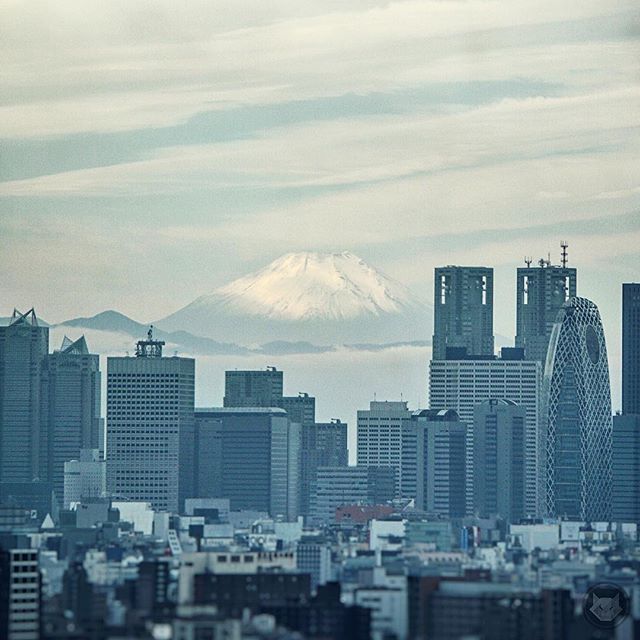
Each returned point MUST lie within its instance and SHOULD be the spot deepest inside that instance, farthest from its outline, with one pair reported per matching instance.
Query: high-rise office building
(71, 390)
(626, 468)
(498, 458)
(434, 466)
(250, 455)
(264, 388)
(380, 436)
(577, 425)
(23, 347)
(631, 348)
(463, 312)
(462, 384)
(150, 406)
(324, 444)
(541, 292)
(300, 408)
(85, 477)
(253, 388)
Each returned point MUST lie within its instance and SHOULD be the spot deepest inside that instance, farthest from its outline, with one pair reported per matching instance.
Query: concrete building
(541, 292)
(85, 478)
(498, 458)
(313, 556)
(462, 384)
(150, 405)
(250, 455)
(380, 436)
(23, 447)
(625, 465)
(434, 466)
(20, 594)
(71, 392)
(631, 348)
(577, 424)
(337, 486)
(463, 311)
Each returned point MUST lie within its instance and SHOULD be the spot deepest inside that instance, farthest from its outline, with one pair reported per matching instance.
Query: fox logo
(606, 609)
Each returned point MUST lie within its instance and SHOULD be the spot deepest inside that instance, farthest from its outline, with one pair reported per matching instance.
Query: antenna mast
(565, 257)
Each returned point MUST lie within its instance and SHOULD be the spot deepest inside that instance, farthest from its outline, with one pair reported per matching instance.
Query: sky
(151, 151)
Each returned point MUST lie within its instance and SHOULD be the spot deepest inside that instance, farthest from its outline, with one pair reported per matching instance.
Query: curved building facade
(577, 416)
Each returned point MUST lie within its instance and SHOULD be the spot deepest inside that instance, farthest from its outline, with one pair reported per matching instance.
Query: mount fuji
(316, 297)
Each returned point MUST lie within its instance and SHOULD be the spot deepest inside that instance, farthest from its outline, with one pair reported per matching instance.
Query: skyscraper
(434, 466)
(253, 388)
(71, 390)
(463, 312)
(253, 454)
(631, 348)
(626, 468)
(498, 458)
(577, 424)
(380, 436)
(324, 444)
(23, 347)
(150, 405)
(541, 292)
(462, 384)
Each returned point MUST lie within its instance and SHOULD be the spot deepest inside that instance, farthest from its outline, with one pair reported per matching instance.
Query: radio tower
(565, 258)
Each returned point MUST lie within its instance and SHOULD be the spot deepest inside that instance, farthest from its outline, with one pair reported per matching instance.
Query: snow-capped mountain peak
(308, 285)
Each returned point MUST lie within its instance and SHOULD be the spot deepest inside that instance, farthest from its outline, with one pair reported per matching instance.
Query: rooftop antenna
(565, 257)
(528, 260)
(541, 262)
(549, 259)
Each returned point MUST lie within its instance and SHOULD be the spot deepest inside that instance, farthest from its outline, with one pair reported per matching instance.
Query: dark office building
(631, 348)
(495, 612)
(300, 408)
(463, 312)
(23, 347)
(498, 458)
(253, 388)
(231, 593)
(250, 456)
(626, 468)
(434, 465)
(324, 444)
(71, 390)
(541, 292)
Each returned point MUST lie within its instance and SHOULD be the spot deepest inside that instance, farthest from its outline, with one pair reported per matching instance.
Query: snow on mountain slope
(301, 286)
(317, 297)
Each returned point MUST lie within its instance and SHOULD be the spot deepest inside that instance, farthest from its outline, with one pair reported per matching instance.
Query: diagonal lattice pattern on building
(577, 420)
